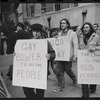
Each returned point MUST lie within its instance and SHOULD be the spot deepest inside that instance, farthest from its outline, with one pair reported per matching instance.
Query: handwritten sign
(88, 67)
(61, 46)
(30, 64)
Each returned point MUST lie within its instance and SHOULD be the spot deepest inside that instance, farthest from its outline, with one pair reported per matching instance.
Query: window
(32, 10)
(27, 10)
(49, 7)
(57, 6)
(74, 4)
(64, 5)
(43, 7)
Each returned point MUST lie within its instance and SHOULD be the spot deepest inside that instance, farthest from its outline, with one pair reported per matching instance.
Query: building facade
(50, 14)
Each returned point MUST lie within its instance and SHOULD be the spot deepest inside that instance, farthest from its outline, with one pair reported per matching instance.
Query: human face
(18, 28)
(36, 35)
(64, 25)
(86, 29)
(95, 27)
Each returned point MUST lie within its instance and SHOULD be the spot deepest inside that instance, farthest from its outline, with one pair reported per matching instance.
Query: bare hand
(48, 56)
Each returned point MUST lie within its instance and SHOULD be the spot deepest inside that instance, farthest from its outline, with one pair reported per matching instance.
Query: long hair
(87, 36)
(67, 22)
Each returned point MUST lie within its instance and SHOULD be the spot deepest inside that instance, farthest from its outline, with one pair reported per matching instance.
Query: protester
(37, 33)
(27, 26)
(89, 41)
(96, 28)
(78, 30)
(46, 32)
(55, 32)
(21, 33)
(66, 66)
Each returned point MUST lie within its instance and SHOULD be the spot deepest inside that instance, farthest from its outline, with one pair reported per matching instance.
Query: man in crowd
(96, 28)
(66, 66)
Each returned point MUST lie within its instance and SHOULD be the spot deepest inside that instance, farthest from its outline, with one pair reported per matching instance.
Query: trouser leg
(59, 72)
(29, 92)
(68, 70)
(52, 63)
(85, 90)
(40, 93)
(92, 88)
(61, 81)
(48, 69)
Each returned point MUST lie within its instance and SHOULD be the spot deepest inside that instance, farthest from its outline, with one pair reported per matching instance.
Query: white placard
(88, 67)
(61, 46)
(30, 63)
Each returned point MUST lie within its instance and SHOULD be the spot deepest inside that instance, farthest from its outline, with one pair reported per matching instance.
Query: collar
(64, 32)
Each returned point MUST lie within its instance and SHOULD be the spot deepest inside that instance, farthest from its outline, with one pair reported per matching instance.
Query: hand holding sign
(48, 56)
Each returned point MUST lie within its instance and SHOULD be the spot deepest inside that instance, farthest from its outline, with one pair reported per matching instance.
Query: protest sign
(61, 46)
(30, 63)
(88, 67)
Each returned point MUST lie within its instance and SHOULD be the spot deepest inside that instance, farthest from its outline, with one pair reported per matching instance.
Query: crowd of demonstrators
(66, 66)
(86, 37)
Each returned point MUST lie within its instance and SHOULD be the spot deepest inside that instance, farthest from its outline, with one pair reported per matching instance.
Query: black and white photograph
(49, 50)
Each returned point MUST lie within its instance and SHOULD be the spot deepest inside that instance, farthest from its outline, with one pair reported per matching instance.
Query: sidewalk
(69, 91)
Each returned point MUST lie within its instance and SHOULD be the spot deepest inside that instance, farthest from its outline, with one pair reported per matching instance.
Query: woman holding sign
(89, 41)
(38, 33)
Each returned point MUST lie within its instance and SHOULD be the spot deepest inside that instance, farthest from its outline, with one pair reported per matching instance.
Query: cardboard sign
(30, 63)
(88, 67)
(61, 45)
